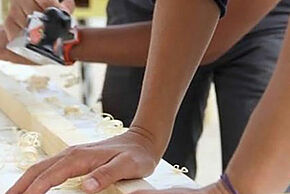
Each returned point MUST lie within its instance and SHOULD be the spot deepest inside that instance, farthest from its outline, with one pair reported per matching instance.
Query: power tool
(47, 39)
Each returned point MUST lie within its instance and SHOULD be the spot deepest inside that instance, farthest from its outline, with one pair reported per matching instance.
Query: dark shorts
(240, 79)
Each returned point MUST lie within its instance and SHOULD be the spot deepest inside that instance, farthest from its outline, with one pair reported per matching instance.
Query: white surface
(163, 177)
(209, 162)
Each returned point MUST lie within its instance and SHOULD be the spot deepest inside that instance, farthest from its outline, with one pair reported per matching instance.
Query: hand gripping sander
(47, 39)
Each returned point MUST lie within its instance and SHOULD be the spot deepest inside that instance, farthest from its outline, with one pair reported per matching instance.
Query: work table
(165, 175)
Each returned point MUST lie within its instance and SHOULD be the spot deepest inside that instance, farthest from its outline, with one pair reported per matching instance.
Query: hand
(216, 188)
(19, 10)
(127, 156)
(7, 55)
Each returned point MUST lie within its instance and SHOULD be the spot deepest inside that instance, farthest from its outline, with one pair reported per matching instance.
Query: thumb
(105, 175)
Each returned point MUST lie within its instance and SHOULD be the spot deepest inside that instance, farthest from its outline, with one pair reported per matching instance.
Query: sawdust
(37, 83)
(73, 110)
(53, 100)
(71, 79)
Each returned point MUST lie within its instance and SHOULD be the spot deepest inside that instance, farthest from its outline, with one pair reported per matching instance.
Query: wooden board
(28, 111)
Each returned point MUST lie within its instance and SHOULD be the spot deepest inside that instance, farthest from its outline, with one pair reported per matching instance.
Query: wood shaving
(65, 75)
(29, 139)
(72, 81)
(37, 83)
(177, 169)
(107, 117)
(110, 125)
(28, 143)
(53, 100)
(73, 110)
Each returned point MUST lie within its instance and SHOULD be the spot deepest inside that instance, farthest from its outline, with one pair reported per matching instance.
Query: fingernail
(91, 185)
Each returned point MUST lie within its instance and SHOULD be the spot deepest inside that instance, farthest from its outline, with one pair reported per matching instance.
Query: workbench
(165, 175)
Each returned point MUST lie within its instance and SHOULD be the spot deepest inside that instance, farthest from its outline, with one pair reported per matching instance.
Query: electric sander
(47, 39)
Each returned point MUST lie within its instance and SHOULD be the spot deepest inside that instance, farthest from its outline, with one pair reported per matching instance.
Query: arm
(128, 45)
(172, 62)
(125, 44)
(122, 44)
(261, 163)
(181, 33)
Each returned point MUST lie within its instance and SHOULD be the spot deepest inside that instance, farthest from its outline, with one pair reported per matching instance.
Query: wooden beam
(57, 132)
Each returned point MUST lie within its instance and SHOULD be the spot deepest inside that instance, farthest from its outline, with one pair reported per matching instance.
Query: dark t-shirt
(275, 21)
(149, 4)
(128, 11)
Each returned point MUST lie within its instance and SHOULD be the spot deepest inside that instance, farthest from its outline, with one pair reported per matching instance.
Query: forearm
(261, 163)
(181, 32)
(125, 45)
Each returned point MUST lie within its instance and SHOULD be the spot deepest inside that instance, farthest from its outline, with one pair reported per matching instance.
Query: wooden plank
(10, 173)
(57, 133)
(83, 130)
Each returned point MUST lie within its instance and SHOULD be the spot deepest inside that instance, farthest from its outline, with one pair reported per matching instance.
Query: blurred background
(88, 90)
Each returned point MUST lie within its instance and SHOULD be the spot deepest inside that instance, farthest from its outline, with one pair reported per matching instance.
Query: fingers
(68, 5)
(17, 16)
(119, 168)
(58, 173)
(25, 181)
(3, 39)
(47, 3)
(28, 7)
(11, 28)
(107, 163)
(77, 161)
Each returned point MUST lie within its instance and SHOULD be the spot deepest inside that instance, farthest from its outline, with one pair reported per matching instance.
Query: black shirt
(275, 21)
(149, 4)
(127, 11)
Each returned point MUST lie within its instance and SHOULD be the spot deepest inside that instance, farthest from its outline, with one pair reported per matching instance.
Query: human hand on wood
(216, 188)
(19, 10)
(7, 55)
(127, 156)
